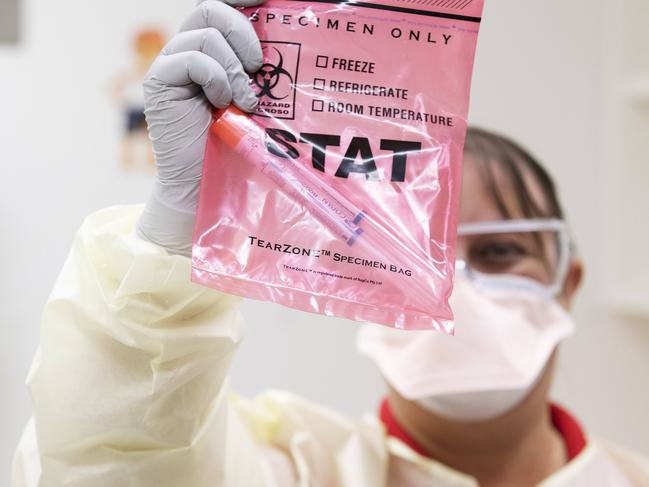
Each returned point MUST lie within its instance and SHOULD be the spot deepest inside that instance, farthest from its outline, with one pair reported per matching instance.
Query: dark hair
(495, 155)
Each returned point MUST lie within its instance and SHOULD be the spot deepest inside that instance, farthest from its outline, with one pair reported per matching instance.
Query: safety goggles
(532, 254)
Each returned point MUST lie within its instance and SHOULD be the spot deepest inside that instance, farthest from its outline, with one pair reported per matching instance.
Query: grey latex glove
(203, 66)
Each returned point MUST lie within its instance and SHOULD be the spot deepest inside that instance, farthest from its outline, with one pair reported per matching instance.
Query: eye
(496, 256)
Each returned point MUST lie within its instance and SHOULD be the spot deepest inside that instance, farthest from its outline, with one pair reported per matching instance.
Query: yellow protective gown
(130, 389)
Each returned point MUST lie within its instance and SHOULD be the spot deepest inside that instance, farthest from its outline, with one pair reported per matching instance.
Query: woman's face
(533, 255)
(527, 254)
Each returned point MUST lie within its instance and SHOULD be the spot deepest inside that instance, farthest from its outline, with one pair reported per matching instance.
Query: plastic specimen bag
(340, 194)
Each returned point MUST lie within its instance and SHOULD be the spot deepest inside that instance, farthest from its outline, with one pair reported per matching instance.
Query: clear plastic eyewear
(532, 254)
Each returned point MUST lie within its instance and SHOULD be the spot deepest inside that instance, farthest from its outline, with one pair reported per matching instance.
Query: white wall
(538, 77)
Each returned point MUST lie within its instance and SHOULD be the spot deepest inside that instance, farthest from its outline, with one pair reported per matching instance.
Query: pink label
(362, 120)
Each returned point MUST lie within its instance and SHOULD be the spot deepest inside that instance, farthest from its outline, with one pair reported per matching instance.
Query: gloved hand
(201, 67)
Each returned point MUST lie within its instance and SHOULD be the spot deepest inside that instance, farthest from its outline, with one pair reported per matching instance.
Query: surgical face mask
(473, 407)
(507, 327)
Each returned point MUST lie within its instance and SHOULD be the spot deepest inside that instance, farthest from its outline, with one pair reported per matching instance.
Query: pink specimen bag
(340, 194)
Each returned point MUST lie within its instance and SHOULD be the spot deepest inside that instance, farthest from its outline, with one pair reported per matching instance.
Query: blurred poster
(126, 87)
(9, 21)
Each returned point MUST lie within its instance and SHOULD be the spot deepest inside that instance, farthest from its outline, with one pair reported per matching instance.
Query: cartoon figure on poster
(127, 90)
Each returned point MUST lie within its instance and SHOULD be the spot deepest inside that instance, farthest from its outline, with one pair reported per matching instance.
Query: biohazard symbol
(268, 77)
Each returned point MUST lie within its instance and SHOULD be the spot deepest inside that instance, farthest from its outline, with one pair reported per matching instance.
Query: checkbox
(317, 105)
(322, 61)
(319, 84)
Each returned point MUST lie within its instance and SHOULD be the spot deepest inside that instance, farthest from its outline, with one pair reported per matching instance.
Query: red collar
(573, 436)
(567, 426)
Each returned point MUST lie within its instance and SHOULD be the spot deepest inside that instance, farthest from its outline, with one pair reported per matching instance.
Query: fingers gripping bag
(340, 194)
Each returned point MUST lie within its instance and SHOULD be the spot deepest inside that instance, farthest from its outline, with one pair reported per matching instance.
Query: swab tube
(248, 139)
